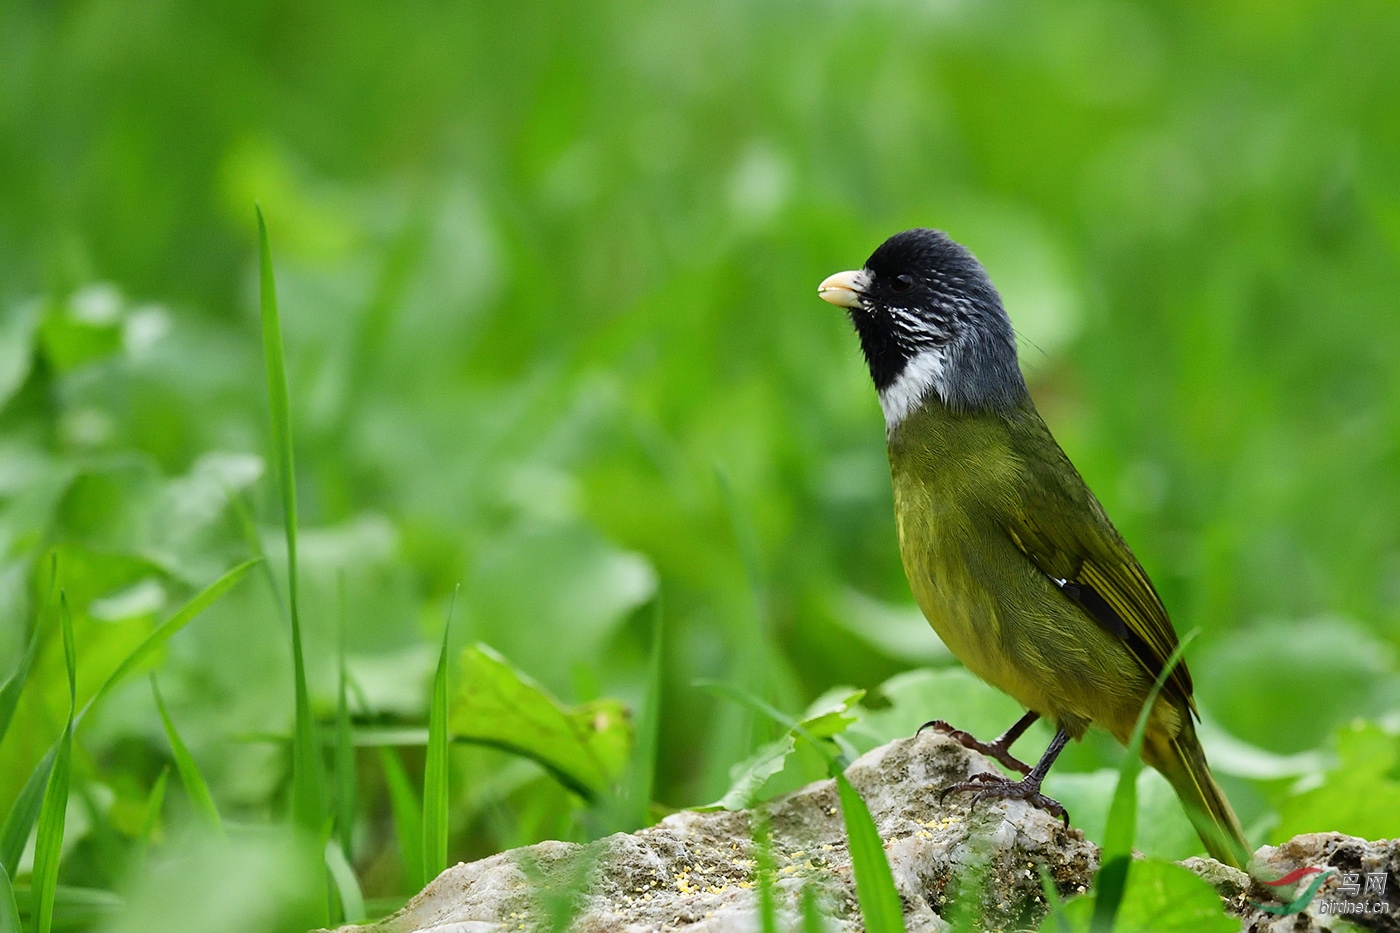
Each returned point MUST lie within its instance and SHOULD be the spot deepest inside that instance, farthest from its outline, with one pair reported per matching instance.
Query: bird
(1009, 555)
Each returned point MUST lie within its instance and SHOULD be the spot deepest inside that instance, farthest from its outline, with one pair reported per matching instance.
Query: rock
(1332, 907)
(694, 871)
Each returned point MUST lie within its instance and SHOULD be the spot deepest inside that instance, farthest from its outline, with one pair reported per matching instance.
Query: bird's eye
(902, 283)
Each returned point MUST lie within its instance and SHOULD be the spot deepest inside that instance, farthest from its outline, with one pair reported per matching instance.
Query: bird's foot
(994, 786)
(998, 749)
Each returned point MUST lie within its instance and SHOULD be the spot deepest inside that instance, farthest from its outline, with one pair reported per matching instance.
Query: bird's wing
(1087, 558)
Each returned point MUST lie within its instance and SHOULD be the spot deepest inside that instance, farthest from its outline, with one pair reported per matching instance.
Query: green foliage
(1160, 898)
(24, 812)
(150, 813)
(48, 844)
(585, 747)
(915, 697)
(190, 776)
(14, 686)
(1117, 854)
(640, 779)
(163, 632)
(307, 799)
(9, 911)
(1359, 796)
(435, 767)
(347, 886)
(346, 782)
(764, 871)
(752, 779)
(408, 815)
(880, 908)
(537, 278)
(812, 920)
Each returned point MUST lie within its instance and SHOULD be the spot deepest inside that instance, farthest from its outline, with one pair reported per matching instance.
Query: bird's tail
(1182, 761)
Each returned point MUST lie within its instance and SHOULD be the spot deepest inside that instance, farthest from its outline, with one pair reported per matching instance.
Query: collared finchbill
(844, 288)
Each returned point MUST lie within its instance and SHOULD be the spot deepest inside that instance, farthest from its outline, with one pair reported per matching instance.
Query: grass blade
(812, 919)
(764, 868)
(561, 890)
(1053, 901)
(162, 633)
(9, 694)
(345, 790)
(48, 848)
(880, 907)
(190, 777)
(1117, 857)
(435, 777)
(150, 815)
(9, 910)
(25, 810)
(879, 899)
(642, 774)
(408, 815)
(306, 757)
(347, 888)
(14, 835)
(27, 806)
(730, 692)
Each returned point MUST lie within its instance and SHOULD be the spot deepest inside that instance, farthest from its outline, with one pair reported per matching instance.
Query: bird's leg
(1000, 749)
(991, 786)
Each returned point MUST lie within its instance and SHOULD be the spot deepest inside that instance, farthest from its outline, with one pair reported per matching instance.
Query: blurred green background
(547, 277)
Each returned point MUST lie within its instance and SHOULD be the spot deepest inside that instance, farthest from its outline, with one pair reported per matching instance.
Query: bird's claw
(994, 787)
(967, 740)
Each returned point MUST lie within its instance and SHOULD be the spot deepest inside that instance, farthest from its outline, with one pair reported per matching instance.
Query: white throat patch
(921, 374)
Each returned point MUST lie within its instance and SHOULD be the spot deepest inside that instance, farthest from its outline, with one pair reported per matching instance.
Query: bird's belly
(972, 628)
(1011, 627)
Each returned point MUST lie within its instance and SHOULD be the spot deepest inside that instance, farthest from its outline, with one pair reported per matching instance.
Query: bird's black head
(929, 320)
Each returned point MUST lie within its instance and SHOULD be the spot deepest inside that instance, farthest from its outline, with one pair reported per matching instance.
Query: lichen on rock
(695, 871)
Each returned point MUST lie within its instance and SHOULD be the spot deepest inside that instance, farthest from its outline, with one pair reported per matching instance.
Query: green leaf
(764, 870)
(150, 814)
(163, 632)
(48, 846)
(307, 802)
(642, 768)
(408, 814)
(586, 747)
(71, 339)
(1117, 855)
(18, 326)
(345, 773)
(1163, 830)
(435, 773)
(9, 694)
(825, 718)
(880, 908)
(1359, 796)
(195, 786)
(9, 910)
(1160, 898)
(749, 775)
(75, 908)
(953, 694)
(14, 835)
(347, 887)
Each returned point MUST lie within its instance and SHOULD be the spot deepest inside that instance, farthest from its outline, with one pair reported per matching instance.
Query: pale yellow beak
(844, 288)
